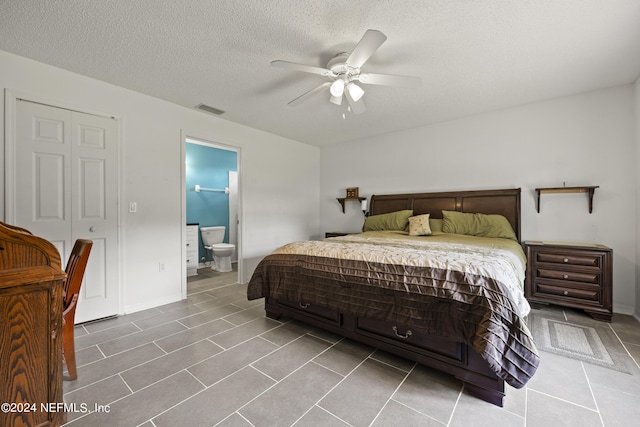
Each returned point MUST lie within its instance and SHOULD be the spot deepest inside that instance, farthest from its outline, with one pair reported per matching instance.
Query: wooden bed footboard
(455, 358)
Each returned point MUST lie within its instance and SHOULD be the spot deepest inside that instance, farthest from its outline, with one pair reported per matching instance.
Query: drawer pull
(566, 276)
(405, 336)
(566, 292)
(304, 305)
(565, 260)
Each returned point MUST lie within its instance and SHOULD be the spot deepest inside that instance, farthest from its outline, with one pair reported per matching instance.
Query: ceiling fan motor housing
(338, 66)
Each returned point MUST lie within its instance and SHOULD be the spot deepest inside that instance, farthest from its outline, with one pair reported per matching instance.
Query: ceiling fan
(344, 73)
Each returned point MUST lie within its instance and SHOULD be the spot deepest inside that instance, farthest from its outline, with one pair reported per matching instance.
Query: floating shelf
(341, 200)
(583, 189)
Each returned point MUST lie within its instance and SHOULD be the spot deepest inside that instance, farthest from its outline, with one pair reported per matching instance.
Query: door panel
(66, 189)
(95, 286)
(95, 210)
(43, 174)
(48, 187)
(91, 189)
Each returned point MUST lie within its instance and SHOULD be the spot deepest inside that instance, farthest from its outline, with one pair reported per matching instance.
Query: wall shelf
(341, 200)
(582, 189)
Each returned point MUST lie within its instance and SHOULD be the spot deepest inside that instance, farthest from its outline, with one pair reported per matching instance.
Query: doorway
(211, 191)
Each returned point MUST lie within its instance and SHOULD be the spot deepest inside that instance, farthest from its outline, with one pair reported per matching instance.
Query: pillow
(391, 221)
(477, 224)
(435, 224)
(419, 225)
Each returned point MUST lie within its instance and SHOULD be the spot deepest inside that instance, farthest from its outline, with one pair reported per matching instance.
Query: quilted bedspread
(460, 287)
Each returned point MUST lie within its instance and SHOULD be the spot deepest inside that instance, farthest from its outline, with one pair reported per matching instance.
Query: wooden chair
(75, 272)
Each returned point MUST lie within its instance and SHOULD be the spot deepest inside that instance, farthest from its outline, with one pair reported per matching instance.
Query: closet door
(66, 189)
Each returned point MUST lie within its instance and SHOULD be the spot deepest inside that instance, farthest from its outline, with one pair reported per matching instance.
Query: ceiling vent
(209, 109)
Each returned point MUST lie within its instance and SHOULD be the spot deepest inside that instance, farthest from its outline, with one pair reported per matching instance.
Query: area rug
(597, 345)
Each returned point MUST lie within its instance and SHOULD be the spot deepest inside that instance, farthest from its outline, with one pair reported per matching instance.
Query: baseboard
(152, 304)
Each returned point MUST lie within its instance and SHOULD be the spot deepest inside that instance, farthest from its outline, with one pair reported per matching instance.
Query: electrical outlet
(161, 267)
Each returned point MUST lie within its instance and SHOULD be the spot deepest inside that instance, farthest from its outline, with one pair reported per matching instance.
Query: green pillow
(435, 224)
(477, 224)
(391, 221)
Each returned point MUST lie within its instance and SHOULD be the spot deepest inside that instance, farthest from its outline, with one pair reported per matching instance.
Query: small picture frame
(352, 193)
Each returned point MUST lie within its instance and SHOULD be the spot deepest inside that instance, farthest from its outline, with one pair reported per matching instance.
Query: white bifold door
(66, 188)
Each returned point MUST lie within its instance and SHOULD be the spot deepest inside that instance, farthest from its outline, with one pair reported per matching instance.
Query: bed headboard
(503, 202)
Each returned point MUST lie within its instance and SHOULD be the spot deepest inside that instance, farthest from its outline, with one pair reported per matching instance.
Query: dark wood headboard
(502, 202)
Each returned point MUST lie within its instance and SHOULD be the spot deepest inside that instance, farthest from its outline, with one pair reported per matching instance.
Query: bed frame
(456, 358)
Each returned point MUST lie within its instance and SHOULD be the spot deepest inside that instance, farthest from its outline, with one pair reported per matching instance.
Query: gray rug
(597, 345)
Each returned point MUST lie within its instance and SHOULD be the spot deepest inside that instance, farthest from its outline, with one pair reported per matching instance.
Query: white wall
(580, 140)
(636, 113)
(279, 177)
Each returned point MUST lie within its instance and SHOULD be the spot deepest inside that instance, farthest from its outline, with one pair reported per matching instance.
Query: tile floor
(214, 359)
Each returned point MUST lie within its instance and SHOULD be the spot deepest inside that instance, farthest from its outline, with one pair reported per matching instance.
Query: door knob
(92, 229)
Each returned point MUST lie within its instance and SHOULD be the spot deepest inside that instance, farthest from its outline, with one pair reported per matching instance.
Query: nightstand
(571, 275)
(335, 234)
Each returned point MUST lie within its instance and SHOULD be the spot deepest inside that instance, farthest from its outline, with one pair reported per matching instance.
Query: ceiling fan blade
(369, 43)
(301, 67)
(299, 100)
(357, 107)
(389, 80)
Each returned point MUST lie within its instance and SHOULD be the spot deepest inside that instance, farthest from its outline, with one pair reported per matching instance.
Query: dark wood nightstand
(335, 234)
(572, 275)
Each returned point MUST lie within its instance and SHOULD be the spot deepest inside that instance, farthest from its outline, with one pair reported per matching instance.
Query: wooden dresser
(31, 287)
(571, 275)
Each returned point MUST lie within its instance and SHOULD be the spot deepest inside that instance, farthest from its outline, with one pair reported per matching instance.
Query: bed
(448, 294)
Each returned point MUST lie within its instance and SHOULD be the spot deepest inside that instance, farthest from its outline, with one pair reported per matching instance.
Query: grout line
(414, 410)
(564, 400)
(104, 356)
(455, 405)
(623, 346)
(526, 404)
(125, 383)
(393, 394)
(286, 376)
(327, 368)
(194, 377)
(593, 396)
(336, 385)
(372, 356)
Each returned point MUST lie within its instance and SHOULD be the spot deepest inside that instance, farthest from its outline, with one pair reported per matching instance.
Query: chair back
(76, 266)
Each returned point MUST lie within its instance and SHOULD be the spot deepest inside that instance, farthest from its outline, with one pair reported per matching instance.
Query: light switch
(133, 207)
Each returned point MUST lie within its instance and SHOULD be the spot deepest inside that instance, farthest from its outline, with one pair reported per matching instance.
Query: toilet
(212, 238)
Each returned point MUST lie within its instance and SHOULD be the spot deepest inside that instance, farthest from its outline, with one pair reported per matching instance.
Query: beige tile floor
(214, 359)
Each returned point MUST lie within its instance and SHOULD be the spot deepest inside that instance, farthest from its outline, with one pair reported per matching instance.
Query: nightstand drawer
(570, 259)
(552, 290)
(572, 276)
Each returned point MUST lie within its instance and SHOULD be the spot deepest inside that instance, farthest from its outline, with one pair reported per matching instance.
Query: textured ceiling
(472, 56)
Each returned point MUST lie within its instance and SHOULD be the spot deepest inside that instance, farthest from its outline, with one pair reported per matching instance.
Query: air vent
(209, 109)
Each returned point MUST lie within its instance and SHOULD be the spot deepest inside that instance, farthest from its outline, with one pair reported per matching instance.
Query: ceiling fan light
(355, 91)
(337, 88)
(336, 100)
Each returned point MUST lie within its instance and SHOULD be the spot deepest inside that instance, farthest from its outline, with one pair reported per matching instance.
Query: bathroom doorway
(211, 198)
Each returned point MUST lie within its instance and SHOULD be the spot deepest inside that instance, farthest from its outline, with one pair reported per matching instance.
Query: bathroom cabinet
(192, 249)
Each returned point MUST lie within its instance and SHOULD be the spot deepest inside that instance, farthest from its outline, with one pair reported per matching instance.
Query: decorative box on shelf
(352, 195)
(577, 275)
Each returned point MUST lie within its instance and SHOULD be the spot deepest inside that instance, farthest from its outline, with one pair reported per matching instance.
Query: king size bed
(434, 277)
